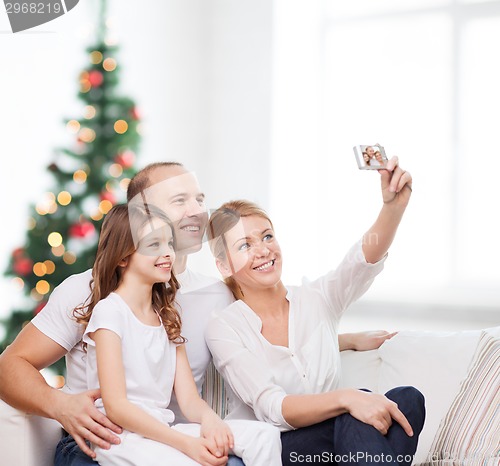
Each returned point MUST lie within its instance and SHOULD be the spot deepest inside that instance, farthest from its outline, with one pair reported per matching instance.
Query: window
(421, 78)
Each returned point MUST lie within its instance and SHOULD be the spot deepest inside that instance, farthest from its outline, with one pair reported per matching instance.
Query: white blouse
(260, 374)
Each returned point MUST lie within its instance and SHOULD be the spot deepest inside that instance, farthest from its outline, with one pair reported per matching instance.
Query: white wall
(236, 159)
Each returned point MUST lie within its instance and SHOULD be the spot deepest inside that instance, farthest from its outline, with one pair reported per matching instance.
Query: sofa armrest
(25, 439)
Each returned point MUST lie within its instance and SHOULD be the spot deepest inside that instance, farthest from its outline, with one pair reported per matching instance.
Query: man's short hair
(142, 179)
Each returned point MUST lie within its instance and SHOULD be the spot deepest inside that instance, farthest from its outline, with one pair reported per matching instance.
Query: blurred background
(265, 99)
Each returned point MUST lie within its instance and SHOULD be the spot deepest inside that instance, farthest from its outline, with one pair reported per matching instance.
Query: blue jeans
(235, 461)
(68, 453)
(345, 440)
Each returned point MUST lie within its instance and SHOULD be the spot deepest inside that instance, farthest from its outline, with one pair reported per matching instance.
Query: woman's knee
(406, 394)
(411, 402)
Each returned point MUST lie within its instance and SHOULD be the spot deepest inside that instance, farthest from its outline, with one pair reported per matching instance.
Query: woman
(136, 355)
(277, 347)
(366, 158)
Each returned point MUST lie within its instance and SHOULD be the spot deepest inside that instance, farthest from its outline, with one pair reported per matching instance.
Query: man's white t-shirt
(197, 298)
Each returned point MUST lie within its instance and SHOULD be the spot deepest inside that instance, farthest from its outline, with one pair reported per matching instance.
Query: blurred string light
(85, 85)
(109, 64)
(18, 283)
(58, 251)
(80, 176)
(89, 112)
(64, 198)
(44, 268)
(115, 170)
(55, 239)
(69, 257)
(47, 205)
(73, 126)
(121, 126)
(96, 216)
(124, 184)
(50, 266)
(42, 287)
(105, 206)
(39, 269)
(86, 135)
(96, 57)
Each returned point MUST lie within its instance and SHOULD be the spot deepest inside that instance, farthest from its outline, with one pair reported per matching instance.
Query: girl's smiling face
(155, 254)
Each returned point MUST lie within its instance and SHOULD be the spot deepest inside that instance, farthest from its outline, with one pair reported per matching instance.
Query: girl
(286, 339)
(136, 355)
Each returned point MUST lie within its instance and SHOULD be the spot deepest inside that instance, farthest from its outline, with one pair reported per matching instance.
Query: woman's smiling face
(253, 254)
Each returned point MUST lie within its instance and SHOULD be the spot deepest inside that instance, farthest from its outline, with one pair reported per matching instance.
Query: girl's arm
(128, 415)
(197, 410)
(396, 191)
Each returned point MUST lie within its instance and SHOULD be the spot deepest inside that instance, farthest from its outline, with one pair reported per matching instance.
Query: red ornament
(81, 229)
(134, 113)
(107, 196)
(126, 159)
(18, 253)
(95, 78)
(39, 308)
(23, 266)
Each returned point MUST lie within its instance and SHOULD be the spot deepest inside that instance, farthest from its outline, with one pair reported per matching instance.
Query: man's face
(177, 192)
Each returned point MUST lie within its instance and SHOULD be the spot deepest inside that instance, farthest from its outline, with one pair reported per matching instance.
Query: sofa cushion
(435, 363)
(214, 391)
(470, 431)
(360, 369)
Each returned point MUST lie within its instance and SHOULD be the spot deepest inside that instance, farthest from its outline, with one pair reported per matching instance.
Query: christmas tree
(90, 177)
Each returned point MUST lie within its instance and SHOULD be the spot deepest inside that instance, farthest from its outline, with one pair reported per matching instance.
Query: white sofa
(458, 372)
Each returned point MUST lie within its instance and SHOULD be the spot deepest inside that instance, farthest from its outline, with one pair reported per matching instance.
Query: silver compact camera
(370, 157)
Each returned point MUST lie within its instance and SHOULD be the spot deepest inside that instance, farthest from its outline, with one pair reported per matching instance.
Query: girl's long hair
(221, 221)
(116, 243)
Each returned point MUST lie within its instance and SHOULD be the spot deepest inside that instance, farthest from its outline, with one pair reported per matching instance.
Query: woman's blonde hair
(221, 221)
(116, 243)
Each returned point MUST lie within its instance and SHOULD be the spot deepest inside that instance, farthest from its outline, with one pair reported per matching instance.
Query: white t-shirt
(57, 322)
(198, 297)
(261, 374)
(149, 357)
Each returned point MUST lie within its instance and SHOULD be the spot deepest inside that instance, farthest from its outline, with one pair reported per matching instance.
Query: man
(54, 333)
